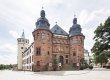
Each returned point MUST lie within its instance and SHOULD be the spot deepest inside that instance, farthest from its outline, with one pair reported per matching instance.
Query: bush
(90, 67)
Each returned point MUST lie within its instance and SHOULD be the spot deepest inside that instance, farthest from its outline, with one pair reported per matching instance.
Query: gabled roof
(58, 30)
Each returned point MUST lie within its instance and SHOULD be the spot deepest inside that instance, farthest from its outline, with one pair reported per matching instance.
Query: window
(62, 32)
(23, 40)
(48, 52)
(38, 63)
(55, 31)
(30, 50)
(81, 40)
(27, 60)
(30, 59)
(43, 36)
(66, 61)
(21, 47)
(66, 56)
(38, 51)
(19, 40)
(74, 54)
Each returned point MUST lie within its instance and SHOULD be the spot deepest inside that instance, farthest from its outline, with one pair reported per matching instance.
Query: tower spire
(74, 15)
(75, 20)
(23, 35)
(42, 13)
(42, 7)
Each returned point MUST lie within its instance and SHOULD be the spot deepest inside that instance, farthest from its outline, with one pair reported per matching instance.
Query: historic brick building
(55, 49)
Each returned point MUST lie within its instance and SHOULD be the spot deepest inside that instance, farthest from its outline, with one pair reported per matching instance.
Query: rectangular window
(30, 59)
(66, 61)
(48, 53)
(66, 56)
(74, 54)
(27, 60)
(30, 50)
(21, 47)
(38, 51)
(38, 63)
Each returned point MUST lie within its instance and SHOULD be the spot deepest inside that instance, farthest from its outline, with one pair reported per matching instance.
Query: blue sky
(16, 15)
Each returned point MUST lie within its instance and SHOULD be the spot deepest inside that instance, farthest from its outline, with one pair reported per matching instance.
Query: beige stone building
(54, 49)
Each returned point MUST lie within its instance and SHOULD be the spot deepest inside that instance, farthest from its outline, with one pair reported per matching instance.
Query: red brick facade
(55, 49)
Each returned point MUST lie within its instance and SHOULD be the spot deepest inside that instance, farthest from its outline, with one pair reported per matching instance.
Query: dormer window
(61, 31)
(55, 31)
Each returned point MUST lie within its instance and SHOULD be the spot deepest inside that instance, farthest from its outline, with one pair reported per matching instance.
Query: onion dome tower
(76, 44)
(42, 22)
(42, 44)
(75, 29)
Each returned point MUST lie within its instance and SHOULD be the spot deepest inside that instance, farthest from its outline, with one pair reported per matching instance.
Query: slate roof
(58, 30)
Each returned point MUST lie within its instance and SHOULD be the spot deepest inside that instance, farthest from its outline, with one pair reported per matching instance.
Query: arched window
(43, 36)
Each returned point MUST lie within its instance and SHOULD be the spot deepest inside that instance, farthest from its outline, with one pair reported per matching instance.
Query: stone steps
(67, 67)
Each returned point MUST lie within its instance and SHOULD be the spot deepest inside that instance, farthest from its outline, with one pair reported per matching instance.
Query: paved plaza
(95, 74)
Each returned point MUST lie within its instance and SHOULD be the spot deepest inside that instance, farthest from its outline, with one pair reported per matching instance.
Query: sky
(16, 15)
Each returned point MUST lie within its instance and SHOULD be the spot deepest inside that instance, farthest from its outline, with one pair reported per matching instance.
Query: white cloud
(8, 59)
(7, 47)
(14, 34)
(93, 18)
(89, 22)
(8, 53)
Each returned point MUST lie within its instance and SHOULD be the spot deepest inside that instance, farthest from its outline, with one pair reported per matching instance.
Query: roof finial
(74, 15)
(75, 20)
(56, 22)
(23, 35)
(42, 7)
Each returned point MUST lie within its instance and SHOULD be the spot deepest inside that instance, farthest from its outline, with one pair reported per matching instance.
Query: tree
(101, 48)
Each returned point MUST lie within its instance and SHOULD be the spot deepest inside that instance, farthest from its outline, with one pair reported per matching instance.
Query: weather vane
(74, 15)
(56, 22)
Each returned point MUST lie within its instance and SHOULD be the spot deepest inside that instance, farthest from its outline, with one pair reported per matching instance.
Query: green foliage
(2, 66)
(101, 48)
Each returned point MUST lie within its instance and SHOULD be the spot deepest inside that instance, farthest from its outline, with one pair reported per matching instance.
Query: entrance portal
(61, 59)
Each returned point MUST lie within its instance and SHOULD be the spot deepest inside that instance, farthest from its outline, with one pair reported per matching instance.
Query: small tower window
(38, 51)
(57, 28)
(81, 40)
(21, 47)
(19, 40)
(74, 54)
(48, 53)
(34, 37)
(22, 40)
